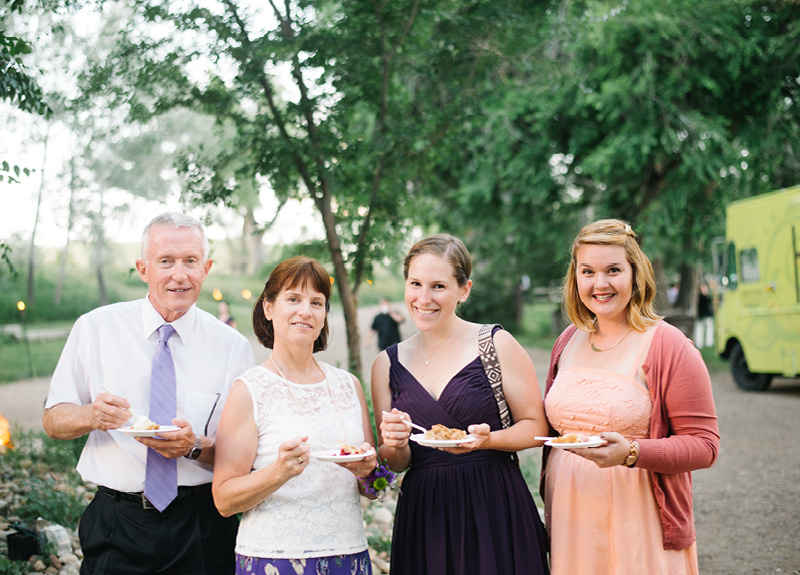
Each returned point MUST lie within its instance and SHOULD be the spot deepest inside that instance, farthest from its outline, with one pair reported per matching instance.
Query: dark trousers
(119, 537)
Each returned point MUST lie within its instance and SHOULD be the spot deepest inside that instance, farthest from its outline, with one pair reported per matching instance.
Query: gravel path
(747, 506)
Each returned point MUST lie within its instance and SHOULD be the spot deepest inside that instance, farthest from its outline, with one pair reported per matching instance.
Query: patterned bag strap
(491, 365)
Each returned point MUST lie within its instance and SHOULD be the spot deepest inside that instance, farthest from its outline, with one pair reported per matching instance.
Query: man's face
(174, 269)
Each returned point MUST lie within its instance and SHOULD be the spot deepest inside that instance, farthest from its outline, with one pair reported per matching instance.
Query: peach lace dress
(604, 521)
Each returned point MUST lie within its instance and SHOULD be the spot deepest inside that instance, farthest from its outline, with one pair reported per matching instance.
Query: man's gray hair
(173, 220)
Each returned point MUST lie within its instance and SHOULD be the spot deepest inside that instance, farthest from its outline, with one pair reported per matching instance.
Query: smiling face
(174, 269)
(297, 315)
(432, 291)
(604, 280)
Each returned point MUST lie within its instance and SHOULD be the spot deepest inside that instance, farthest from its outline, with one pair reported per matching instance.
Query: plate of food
(442, 436)
(152, 432)
(344, 454)
(574, 441)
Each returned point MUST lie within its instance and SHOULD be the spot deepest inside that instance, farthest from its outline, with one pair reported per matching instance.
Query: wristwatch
(195, 451)
(633, 456)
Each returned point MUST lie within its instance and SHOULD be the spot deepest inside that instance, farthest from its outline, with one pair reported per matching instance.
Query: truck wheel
(744, 378)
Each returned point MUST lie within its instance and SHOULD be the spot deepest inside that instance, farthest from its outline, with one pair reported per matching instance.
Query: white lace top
(317, 513)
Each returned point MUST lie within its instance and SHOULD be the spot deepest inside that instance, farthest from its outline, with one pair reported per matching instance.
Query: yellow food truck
(757, 322)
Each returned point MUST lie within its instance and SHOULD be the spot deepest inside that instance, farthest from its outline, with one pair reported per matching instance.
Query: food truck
(757, 321)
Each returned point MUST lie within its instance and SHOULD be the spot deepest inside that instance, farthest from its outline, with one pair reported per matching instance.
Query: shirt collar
(152, 320)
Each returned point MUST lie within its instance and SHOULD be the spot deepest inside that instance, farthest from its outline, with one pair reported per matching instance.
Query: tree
(661, 106)
(655, 112)
(340, 102)
(19, 88)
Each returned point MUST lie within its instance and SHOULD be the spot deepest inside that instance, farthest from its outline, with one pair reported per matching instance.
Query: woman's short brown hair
(641, 312)
(299, 271)
(445, 246)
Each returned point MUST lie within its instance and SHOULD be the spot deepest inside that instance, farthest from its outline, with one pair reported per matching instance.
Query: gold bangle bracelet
(633, 456)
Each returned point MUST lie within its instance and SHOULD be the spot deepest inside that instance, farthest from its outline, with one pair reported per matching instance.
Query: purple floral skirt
(355, 564)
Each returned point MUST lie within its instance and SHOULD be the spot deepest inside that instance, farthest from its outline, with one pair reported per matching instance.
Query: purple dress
(461, 514)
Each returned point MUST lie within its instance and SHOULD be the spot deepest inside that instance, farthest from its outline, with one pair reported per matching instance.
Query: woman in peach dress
(624, 375)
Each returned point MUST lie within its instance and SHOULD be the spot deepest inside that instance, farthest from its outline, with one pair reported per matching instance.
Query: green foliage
(538, 328)
(8, 567)
(16, 84)
(46, 466)
(48, 498)
(79, 293)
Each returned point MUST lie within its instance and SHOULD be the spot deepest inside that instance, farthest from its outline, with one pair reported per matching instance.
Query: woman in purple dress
(465, 509)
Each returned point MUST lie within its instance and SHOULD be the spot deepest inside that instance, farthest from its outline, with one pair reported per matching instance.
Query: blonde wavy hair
(641, 312)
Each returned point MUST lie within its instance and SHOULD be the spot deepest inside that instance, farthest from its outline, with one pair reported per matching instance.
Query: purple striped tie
(161, 477)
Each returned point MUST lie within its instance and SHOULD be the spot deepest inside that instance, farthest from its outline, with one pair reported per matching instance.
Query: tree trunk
(99, 253)
(62, 269)
(687, 290)
(254, 238)
(31, 295)
(348, 297)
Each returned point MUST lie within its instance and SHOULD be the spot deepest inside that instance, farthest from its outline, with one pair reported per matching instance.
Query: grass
(25, 360)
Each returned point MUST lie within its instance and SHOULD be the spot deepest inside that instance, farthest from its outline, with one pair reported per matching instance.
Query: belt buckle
(146, 503)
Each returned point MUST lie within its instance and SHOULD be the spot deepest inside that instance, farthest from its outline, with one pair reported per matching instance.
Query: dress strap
(391, 351)
(567, 351)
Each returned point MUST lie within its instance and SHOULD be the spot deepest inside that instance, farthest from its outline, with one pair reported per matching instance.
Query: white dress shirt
(113, 347)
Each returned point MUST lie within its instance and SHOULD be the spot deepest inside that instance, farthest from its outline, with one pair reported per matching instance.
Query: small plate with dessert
(144, 427)
(573, 441)
(343, 454)
(442, 436)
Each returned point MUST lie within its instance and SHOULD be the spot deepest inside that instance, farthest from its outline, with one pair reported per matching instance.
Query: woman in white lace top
(302, 514)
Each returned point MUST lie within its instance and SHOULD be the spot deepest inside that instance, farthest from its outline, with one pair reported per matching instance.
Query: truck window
(749, 261)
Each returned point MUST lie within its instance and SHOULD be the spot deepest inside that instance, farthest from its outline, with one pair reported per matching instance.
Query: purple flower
(377, 482)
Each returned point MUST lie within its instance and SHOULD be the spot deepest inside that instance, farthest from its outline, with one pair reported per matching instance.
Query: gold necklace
(310, 420)
(422, 344)
(595, 348)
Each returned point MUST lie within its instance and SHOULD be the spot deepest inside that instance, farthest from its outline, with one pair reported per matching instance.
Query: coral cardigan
(683, 426)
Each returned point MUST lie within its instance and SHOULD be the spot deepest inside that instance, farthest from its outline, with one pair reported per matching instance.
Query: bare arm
(521, 389)
(235, 487)
(393, 434)
(68, 420)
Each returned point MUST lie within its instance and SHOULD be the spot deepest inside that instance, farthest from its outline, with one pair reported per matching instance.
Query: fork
(407, 422)
(104, 388)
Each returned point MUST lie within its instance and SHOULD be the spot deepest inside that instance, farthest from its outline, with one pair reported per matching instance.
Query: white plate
(146, 432)
(592, 441)
(422, 440)
(333, 455)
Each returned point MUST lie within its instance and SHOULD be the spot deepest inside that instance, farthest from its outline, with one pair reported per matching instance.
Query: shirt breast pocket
(202, 411)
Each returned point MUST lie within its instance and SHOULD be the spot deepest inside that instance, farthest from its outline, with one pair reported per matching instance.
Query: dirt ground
(747, 506)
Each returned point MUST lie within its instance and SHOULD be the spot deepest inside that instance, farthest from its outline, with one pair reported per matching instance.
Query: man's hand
(110, 411)
(172, 444)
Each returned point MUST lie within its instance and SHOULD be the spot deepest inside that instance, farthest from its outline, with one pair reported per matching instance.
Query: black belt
(138, 497)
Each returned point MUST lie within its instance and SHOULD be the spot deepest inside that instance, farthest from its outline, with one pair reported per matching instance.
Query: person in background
(302, 514)
(160, 354)
(672, 294)
(224, 314)
(704, 322)
(386, 325)
(462, 510)
(620, 372)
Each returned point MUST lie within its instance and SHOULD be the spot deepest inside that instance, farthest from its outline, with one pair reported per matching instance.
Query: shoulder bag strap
(491, 365)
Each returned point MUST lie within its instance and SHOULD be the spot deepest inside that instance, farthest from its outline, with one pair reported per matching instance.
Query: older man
(162, 358)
